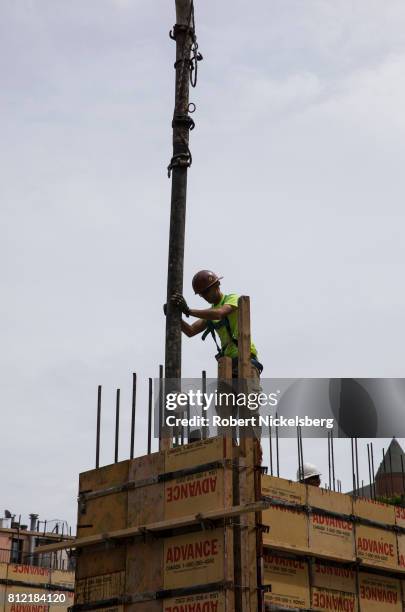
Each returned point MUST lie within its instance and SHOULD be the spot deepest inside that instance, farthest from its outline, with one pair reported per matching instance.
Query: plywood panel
(379, 594)
(146, 504)
(100, 587)
(329, 500)
(98, 560)
(24, 599)
(205, 602)
(288, 528)
(3, 570)
(400, 516)
(62, 577)
(333, 601)
(401, 550)
(336, 577)
(331, 536)
(376, 546)
(194, 559)
(29, 573)
(197, 453)
(144, 569)
(195, 493)
(374, 511)
(284, 490)
(289, 582)
(108, 512)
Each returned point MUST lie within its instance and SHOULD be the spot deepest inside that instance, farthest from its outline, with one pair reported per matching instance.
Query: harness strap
(211, 327)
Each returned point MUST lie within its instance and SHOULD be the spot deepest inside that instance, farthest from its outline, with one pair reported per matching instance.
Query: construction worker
(221, 319)
(310, 475)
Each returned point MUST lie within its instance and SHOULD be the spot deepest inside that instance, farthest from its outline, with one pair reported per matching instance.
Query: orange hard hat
(204, 279)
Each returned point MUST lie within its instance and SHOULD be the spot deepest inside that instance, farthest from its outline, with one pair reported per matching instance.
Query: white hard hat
(309, 470)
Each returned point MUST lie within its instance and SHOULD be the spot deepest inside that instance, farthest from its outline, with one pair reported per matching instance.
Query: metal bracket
(186, 120)
(178, 28)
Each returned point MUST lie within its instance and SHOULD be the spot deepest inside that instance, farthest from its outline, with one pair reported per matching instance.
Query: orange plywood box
(329, 600)
(288, 528)
(204, 602)
(330, 500)
(377, 547)
(197, 453)
(193, 493)
(194, 559)
(333, 576)
(29, 573)
(288, 582)
(400, 516)
(331, 537)
(374, 510)
(284, 490)
(379, 593)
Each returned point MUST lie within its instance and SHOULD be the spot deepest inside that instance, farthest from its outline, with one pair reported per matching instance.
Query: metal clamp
(183, 120)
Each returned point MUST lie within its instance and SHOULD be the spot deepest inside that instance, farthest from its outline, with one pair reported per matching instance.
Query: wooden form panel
(330, 536)
(194, 493)
(401, 550)
(379, 593)
(288, 579)
(377, 547)
(284, 490)
(374, 511)
(336, 577)
(197, 453)
(400, 516)
(27, 593)
(99, 560)
(328, 600)
(330, 501)
(63, 578)
(288, 528)
(29, 573)
(205, 602)
(107, 512)
(97, 588)
(58, 606)
(3, 571)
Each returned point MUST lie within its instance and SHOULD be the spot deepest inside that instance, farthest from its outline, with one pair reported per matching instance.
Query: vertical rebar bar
(98, 427)
(271, 450)
(369, 470)
(277, 451)
(403, 474)
(117, 425)
(133, 412)
(302, 451)
(204, 390)
(385, 472)
(329, 467)
(299, 456)
(372, 470)
(150, 394)
(188, 421)
(160, 403)
(333, 460)
(357, 465)
(391, 474)
(353, 468)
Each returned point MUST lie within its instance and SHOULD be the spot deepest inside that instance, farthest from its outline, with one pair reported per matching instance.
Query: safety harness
(212, 327)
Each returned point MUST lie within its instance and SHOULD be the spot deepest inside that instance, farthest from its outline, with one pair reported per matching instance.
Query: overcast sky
(295, 196)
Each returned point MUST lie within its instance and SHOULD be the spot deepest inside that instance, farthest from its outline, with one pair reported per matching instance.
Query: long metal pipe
(117, 425)
(150, 417)
(98, 427)
(133, 415)
(372, 470)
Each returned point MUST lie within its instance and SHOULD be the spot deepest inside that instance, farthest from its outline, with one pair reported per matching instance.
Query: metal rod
(277, 452)
(271, 450)
(357, 465)
(133, 412)
(150, 417)
(302, 450)
(204, 390)
(160, 402)
(391, 474)
(369, 470)
(117, 425)
(98, 427)
(329, 467)
(353, 474)
(299, 456)
(372, 469)
(403, 474)
(333, 460)
(188, 421)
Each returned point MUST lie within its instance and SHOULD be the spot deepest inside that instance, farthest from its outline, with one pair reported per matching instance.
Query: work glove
(181, 303)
